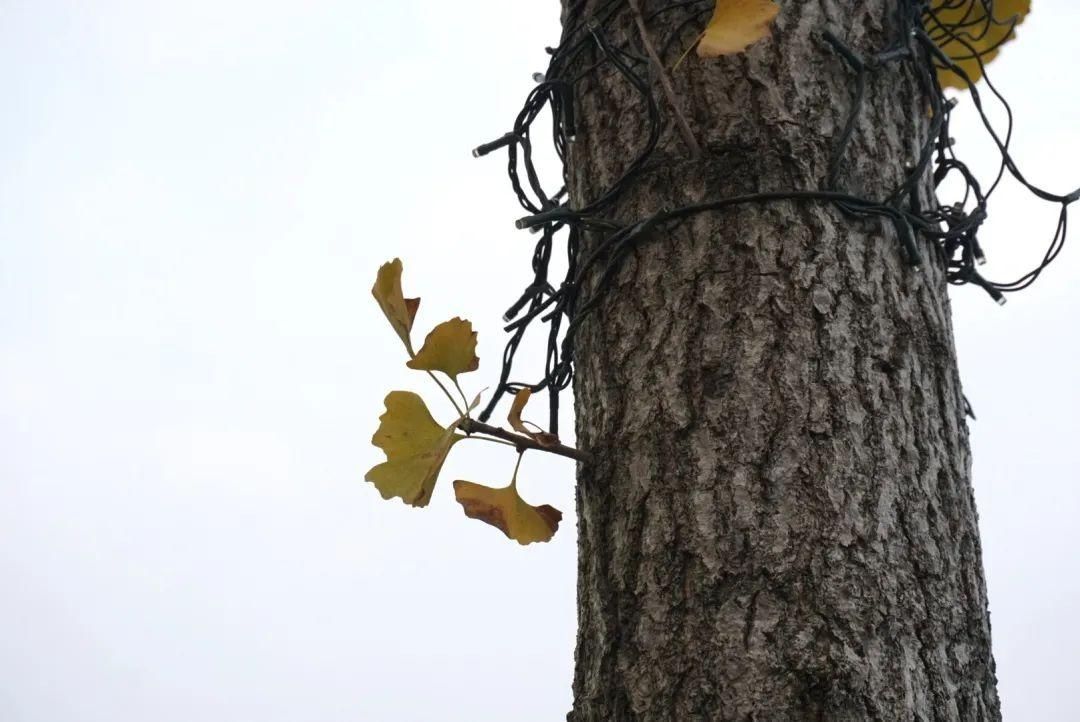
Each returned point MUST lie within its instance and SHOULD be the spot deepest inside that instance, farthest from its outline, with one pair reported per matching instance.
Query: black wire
(949, 230)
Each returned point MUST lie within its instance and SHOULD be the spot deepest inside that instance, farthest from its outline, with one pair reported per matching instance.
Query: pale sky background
(194, 198)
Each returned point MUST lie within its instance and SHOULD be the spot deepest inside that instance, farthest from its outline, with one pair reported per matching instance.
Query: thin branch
(665, 81)
(471, 426)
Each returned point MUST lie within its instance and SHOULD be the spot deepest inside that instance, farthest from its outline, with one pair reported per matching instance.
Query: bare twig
(665, 81)
(472, 426)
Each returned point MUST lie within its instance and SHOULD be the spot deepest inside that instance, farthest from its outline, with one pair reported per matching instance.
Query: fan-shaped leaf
(541, 437)
(507, 511)
(399, 311)
(450, 348)
(735, 25)
(415, 447)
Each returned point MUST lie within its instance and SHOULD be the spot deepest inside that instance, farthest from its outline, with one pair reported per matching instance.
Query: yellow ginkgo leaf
(968, 33)
(450, 348)
(514, 417)
(415, 447)
(400, 311)
(506, 510)
(735, 25)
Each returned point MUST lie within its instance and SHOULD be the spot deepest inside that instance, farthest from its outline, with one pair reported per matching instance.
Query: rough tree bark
(779, 524)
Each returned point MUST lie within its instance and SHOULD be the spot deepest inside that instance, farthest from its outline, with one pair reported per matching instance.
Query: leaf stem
(448, 395)
(521, 455)
(687, 52)
(464, 400)
(492, 440)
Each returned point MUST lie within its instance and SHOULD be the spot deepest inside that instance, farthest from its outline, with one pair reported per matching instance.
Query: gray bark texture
(779, 521)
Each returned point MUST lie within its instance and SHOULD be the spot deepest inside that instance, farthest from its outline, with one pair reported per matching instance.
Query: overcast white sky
(194, 198)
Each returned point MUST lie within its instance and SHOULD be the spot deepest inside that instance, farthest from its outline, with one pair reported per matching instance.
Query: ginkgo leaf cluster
(416, 445)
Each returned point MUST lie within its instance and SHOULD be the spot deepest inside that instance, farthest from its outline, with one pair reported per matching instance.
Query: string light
(950, 230)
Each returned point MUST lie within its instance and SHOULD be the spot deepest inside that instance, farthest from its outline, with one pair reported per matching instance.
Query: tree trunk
(779, 522)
